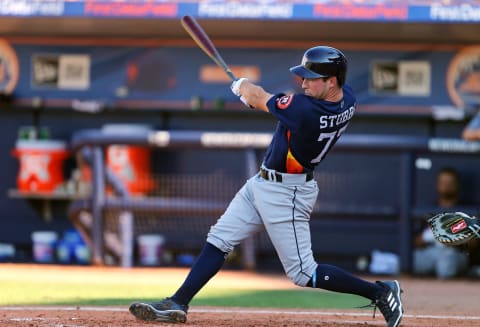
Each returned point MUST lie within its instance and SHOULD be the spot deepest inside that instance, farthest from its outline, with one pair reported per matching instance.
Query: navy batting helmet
(322, 61)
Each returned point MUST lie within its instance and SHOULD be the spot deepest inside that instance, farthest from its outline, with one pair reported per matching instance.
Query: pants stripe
(295, 234)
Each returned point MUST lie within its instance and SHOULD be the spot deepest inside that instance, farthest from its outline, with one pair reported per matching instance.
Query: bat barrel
(200, 37)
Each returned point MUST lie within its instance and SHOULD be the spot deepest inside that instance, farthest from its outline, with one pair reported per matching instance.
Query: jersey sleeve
(287, 109)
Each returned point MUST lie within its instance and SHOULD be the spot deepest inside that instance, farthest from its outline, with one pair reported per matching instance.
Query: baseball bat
(197, 33)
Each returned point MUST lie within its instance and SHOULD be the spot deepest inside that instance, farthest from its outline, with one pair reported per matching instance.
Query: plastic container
(41, 164)
(132, 164)
(82, 254)
(186, 259)
(7, 252)
(44, 243)
(72, 249)
(64, 254)
(150, 249)
(65, 246)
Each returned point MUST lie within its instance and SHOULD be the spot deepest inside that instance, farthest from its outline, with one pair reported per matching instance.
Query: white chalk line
(243, 311)
(32, 320)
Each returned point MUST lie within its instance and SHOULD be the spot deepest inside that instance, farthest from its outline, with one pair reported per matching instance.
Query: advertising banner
(334, 10)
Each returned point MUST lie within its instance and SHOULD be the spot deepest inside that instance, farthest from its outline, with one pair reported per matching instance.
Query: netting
(184, 228)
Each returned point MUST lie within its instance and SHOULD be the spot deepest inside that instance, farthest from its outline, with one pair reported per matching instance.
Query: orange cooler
(41, 164)
(132, 164)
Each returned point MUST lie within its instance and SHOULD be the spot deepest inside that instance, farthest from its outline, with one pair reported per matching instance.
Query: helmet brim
(303, 72)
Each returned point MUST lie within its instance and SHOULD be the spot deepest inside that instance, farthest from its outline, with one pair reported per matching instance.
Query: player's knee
(219, 243)
(300, 272)
(298, 278)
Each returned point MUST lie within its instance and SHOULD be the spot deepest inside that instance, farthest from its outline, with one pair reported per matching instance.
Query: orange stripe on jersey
(291, 164)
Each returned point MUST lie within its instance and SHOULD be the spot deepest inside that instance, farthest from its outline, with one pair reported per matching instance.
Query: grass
(54, 287)
(67, 293)
(281, 299)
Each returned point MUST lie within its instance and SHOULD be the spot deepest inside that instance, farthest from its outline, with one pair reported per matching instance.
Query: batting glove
(235, 87)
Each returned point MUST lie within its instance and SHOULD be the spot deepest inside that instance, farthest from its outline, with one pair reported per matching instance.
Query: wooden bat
(197, 33)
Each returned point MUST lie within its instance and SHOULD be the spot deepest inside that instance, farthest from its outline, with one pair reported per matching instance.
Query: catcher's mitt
(454, 228)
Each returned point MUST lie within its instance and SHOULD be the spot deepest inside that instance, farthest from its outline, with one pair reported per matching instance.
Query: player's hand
(235, 87)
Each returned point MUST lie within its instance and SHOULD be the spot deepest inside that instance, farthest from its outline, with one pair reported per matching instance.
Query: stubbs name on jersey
(335, 120)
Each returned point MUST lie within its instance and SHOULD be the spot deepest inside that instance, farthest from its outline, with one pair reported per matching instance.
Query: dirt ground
(208, 316)
(427, 302)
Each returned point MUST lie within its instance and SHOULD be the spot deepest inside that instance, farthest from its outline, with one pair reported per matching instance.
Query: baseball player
(282, 195)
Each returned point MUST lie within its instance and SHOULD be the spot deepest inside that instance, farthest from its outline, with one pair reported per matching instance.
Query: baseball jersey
(307, 129)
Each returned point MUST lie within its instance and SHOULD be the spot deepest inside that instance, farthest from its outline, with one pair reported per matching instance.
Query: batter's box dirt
(211, 317)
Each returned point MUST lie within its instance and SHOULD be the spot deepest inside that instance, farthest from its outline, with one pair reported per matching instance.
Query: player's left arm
(253, 95)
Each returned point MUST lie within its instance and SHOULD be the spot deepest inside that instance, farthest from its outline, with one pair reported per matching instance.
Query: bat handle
(230, 74)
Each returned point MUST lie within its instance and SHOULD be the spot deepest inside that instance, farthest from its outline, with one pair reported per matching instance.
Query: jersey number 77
(329, 139)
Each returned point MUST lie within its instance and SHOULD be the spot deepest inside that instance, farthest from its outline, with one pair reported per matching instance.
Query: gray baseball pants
(284, 209)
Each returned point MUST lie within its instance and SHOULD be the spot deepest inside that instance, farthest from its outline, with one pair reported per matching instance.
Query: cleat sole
(145, 312)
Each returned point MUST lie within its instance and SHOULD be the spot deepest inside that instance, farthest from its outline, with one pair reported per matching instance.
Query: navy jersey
(307, 129)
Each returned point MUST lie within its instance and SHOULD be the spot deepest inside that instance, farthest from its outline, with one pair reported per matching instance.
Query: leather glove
(454, 228)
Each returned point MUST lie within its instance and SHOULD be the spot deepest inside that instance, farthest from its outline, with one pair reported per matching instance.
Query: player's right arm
(254, 95)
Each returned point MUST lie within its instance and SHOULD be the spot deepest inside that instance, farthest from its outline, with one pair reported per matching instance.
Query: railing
(407, 148)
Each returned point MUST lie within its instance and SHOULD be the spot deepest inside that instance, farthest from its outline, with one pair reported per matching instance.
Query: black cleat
(166, 310)
(390, 303)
